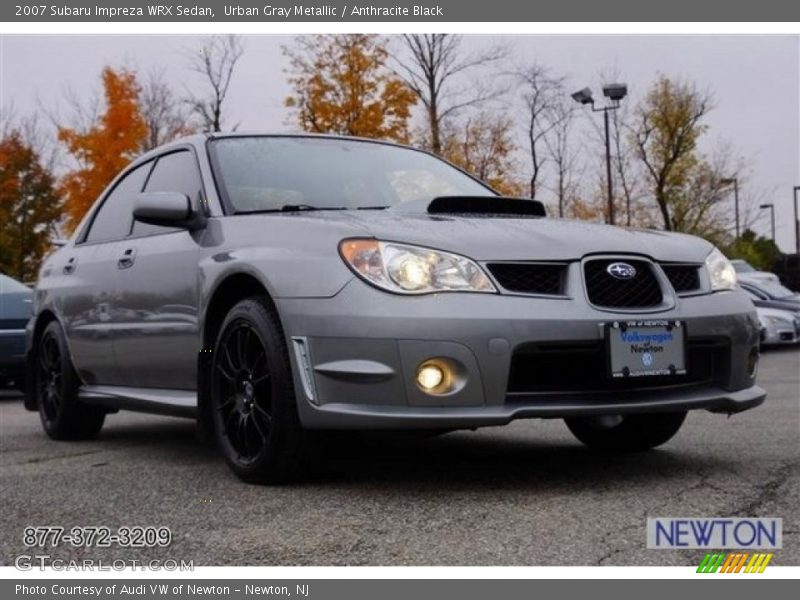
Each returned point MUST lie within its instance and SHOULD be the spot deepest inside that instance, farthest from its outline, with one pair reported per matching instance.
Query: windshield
(270, 173)
(742, 266)
(775, 289)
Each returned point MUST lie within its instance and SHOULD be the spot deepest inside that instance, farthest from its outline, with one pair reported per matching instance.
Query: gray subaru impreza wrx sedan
(273, 286)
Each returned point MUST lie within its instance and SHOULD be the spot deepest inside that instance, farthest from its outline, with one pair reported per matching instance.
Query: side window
(175, 172)
(113, 220)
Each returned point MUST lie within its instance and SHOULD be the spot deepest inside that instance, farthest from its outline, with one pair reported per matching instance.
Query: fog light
(430, 376)
(752, 363)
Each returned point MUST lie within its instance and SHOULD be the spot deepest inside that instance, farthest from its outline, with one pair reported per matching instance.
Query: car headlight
(406, 269)
(779, 321)
(720, 271)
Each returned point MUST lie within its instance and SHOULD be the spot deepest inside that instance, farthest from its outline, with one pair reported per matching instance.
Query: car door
(87, 282)
(157, 341)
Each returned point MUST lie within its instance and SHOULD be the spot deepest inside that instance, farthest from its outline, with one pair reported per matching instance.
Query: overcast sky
(754, 79)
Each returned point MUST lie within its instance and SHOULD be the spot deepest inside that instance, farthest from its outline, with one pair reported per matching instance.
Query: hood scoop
(475, 206)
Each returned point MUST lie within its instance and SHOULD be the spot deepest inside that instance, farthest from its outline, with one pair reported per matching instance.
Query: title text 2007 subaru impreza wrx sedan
(271, 286)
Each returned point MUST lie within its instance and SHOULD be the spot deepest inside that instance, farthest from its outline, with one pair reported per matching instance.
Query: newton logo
(734, 562)
(735, 534)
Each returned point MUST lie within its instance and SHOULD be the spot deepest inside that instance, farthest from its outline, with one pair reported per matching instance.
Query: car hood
(757, 276)
(775, 312)
(502, 238)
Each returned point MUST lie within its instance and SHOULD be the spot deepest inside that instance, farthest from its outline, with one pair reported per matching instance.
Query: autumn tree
(165, 114)
(667, 126)
(104, 148)
(30, 207)
(484, 147)
(342, 85)
(215, 62)
(438, 71)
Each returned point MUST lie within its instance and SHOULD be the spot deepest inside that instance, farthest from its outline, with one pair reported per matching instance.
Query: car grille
(530, 278)
(684, 278)
(580, 367)
(641, 291)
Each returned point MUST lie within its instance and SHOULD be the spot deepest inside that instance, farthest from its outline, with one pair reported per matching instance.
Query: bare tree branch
(542, 95)
(216, 62)
(433, 72)
(167, 117)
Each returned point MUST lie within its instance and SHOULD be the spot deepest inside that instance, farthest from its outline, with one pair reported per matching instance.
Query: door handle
(69, 268)
(127, 259)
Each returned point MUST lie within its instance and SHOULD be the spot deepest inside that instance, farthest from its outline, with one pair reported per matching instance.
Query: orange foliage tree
(30, 207)
(483, 146)
(342, 85)
(106, 147)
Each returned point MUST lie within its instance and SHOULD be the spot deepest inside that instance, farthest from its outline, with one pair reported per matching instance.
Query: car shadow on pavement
(463, 459)
(456, 460)
(493, 457)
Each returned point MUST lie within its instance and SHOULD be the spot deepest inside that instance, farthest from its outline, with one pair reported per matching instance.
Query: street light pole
(771, 208)
(736, 204)
(796, 222)
(615, 92)
(608, 168)
(735, 182)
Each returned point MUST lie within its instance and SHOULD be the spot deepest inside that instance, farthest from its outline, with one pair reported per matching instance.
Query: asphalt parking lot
(526, 494)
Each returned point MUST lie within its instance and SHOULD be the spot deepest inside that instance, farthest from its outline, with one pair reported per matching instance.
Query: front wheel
(626, 433)
(252, 397)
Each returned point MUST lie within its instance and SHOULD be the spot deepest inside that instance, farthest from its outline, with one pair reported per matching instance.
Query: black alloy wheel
(56, 388)
(253, 406)
(244, 391)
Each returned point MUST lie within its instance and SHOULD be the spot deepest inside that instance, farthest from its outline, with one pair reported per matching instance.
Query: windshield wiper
(305, 207)
(290, 208)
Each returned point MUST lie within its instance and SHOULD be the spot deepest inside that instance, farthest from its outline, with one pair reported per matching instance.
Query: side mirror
(171, 209)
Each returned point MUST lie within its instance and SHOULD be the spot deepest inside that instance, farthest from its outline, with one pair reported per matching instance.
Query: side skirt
(176, 403)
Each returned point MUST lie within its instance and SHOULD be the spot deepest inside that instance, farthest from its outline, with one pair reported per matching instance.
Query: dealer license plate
(646, 348)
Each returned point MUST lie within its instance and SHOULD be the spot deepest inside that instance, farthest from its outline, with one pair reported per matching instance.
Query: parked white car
(778, 327)
(745, 271)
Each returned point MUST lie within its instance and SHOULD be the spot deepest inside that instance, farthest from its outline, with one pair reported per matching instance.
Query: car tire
(253, 405)
(626, 433)
(63, 415)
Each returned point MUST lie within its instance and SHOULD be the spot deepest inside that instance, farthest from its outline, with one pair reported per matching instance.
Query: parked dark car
(15, 310)
(275, 286)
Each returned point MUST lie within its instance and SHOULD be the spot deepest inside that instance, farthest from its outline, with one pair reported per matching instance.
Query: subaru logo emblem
(621, 270)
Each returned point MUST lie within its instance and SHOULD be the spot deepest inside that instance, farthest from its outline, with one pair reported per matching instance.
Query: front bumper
(779, 335)
(355, 357)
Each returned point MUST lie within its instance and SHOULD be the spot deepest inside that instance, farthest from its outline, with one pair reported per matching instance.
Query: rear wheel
(252, 397)
(626, 433)
(63, 415)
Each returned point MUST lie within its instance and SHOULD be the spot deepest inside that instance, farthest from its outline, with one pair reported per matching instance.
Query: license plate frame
(645, 348)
